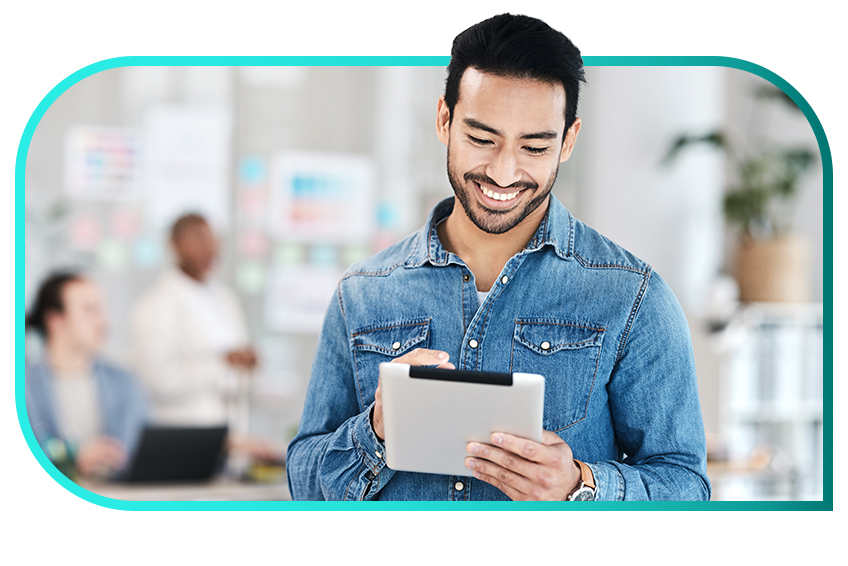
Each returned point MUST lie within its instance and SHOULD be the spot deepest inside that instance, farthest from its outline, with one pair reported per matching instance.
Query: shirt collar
(556, 229)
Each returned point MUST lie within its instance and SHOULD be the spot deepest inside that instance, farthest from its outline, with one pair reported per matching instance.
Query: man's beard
(497, 221)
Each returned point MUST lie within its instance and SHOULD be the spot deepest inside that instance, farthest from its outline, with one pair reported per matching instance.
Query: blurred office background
(302, 171)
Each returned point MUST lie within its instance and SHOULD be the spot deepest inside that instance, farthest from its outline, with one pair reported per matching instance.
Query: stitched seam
(589, 398)
(570, 234)
(351, 483)
(365, 458)
(488, 310)
(523, 321)
(557, 347)
(374, 273)
(386, 350)
(462, 301)
(366, 331)
(633, 311)
(358, 389)
(586, 264)
(512, 352)
(620, 484)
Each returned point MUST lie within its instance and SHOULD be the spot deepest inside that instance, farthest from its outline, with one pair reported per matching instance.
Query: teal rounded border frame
(607, 61)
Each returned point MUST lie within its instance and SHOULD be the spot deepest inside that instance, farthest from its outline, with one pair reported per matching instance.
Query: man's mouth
(504, 197)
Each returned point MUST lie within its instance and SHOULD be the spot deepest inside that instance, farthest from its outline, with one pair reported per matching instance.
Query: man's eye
(537, 150)
(478, 141)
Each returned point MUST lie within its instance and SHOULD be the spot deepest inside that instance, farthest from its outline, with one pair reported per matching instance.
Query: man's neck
(486, 254)
(66, 360)
(191, 274)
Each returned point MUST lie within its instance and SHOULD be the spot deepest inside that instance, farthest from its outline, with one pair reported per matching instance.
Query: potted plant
(771, 261)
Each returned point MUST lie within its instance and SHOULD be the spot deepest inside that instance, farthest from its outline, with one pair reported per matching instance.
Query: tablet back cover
(429, 422)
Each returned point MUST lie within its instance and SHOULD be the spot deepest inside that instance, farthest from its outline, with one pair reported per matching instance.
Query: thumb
(550, 438)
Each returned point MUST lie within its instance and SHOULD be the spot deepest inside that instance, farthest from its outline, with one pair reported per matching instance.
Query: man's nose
(503, 169)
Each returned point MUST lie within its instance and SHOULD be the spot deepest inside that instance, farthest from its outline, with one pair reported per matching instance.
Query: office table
(222, 489)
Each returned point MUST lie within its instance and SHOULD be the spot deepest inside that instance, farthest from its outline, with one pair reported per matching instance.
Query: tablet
(430, 415)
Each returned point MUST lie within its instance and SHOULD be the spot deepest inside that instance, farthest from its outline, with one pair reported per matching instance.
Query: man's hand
(244, 358)
(525, 470)
(100, 456)
(417, 357)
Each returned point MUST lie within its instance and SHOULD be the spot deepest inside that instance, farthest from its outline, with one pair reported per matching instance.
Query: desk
(216, 490)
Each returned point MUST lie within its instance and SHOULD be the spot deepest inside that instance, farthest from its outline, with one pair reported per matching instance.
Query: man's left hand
(525, 470)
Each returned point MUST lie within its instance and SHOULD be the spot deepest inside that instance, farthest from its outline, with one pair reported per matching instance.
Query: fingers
(424, 357)
(508, 482)
(527, 449)
(113, 453)
(508, 472)
(377, 414)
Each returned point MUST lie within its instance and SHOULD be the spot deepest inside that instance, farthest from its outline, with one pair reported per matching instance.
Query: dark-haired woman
(74, 399)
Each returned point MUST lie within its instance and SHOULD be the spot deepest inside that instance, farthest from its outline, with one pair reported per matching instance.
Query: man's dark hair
(185, 221)
(49, 299)
(520, 47)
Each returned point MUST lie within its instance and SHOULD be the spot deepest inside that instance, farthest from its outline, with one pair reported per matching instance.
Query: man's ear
(52, 321)
(443, 120)
(570, 139)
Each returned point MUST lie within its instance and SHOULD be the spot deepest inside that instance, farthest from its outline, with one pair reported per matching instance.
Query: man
(503, 278)
(76, 400)
(189, 335)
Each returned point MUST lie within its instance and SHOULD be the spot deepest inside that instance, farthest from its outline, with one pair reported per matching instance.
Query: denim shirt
(620, 383)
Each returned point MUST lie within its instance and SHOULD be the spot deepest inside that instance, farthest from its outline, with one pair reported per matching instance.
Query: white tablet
(430, 415)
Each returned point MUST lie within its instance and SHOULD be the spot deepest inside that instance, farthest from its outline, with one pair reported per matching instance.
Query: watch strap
(586, 475)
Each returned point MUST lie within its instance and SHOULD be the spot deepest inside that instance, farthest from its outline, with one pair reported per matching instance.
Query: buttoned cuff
(609, 483)
(373, 453)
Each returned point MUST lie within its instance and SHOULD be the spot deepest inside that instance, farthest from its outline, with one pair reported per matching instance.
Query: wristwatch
(586, 490)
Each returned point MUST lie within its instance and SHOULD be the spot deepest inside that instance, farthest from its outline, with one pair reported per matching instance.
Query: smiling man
(503, 278)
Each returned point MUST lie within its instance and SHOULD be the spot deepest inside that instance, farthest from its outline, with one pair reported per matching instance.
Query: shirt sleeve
(653, 394)
(335, 456)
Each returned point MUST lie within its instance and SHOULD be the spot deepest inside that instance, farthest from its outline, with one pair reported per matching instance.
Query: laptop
(175, 454)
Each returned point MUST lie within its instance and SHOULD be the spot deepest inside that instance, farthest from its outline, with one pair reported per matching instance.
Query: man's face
(505, 144)
(83, 318)
(196, 249)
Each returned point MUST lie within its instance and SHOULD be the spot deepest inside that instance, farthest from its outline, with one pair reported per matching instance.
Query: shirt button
(458, 486)
(472, 343)
(396, 346)
(504, 279)
(466, 278)
(377, 452)
(546, 345)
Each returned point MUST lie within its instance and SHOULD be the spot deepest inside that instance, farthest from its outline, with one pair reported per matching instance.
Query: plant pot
(773, 270)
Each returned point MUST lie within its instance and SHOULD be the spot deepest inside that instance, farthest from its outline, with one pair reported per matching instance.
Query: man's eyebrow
(472, 123)
(546, 135)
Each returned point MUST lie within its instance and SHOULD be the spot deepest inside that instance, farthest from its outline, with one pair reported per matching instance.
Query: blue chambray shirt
(620, 384)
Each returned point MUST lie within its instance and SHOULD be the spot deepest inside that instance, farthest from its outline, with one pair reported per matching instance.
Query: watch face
(583, 494)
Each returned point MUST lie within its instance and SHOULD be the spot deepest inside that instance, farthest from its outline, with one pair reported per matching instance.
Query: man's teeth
(498, 196)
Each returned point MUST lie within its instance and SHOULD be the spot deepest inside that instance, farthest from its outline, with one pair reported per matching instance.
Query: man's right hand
(417, 357)
(100, 456)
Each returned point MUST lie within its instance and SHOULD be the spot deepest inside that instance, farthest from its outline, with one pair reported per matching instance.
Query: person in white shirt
(189, 337)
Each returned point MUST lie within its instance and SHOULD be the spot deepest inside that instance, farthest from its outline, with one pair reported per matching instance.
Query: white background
(43, 42)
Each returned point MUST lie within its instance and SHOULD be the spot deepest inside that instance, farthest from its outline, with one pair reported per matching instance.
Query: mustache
(488, 180)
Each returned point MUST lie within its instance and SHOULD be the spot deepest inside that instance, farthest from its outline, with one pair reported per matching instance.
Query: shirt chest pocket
(384, 342)
(567, 355)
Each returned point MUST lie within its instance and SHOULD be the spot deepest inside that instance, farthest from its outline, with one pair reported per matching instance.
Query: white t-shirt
(77, 407)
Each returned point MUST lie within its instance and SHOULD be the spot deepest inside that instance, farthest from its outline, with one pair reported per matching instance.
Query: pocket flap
(392, 339)
(545, 336)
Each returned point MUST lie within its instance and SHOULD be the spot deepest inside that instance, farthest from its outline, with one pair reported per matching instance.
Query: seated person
(96, 410)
